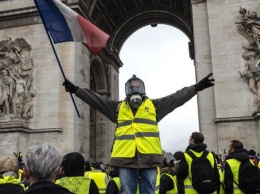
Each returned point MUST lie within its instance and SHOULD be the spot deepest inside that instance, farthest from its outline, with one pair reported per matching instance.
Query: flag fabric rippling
(64, 25)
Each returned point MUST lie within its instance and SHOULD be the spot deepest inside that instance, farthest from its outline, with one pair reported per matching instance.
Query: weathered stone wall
(55, 119)
(225, 111)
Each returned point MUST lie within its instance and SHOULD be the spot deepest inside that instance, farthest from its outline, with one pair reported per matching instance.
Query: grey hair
(43, 161)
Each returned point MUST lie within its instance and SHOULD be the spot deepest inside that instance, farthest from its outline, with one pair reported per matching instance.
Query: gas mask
(135, 100)
(135, 91)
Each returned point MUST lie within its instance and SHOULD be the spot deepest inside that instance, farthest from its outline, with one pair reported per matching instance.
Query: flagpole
(58, 60)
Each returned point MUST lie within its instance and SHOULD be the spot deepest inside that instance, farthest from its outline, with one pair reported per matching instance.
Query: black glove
(70, 87)
(205, 83)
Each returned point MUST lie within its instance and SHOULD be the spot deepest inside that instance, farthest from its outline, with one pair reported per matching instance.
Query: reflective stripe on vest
(188, 180)
(136, 132)
(78, 185)
(174, 180)
(234, 166)
(100, 179)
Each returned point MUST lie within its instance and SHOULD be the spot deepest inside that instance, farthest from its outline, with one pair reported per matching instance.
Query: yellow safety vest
(136, 132)
(187, 181)
(86, 174)
(100, 179)
(10, 177)
(234, 166)
(221, 178)
(174, 180)
(77, 185)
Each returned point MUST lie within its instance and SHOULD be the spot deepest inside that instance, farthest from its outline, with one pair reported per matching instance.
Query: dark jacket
(163, 106)
(9, 188)
(46, 187)
(183, 169)
(241, 155)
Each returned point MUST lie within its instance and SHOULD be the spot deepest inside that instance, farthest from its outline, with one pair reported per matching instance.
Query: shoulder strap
(192, 155)
(205, 153)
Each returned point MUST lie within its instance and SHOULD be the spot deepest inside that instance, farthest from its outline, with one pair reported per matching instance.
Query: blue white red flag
(64, 25)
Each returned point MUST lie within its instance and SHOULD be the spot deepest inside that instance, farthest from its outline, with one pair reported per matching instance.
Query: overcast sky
(160, 57)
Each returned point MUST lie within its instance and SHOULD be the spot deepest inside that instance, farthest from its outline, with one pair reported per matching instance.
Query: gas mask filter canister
(135, 101)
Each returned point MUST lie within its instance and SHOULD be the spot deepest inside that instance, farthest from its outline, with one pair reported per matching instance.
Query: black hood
(240, 154)
(197, 147)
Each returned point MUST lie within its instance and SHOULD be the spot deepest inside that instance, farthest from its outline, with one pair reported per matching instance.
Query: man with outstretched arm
(137, 149)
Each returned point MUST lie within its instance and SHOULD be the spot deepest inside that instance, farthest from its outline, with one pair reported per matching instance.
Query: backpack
(249, 178)
(203, 177)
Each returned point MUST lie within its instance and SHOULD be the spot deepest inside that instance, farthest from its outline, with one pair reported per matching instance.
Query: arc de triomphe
(224, 39)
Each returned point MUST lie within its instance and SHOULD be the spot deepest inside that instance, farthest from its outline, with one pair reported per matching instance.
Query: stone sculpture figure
(7, 90)
(249, 27)
(28, 106)
(16, 85)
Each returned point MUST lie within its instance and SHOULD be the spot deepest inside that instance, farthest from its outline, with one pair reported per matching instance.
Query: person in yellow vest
(113, 186)
(99, 177)
(88, 168)
(168, 181)
(137, 148)
(184, 173)
(73, 165)
(236, 154)
(220, 171)
(9, 176)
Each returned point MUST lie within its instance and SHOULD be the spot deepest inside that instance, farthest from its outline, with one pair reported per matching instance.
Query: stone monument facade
(34, 108)
(226, 39)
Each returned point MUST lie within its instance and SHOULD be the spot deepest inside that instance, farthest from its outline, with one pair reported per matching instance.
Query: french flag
(64, 25)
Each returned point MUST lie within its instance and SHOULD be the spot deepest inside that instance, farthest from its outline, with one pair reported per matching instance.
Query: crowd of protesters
(43, 169)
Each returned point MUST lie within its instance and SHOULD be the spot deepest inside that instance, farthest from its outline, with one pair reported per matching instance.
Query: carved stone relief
(16, 80)
(249, 27)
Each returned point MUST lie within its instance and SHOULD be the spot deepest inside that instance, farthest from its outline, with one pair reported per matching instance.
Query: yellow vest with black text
(136, 132)
(77, 185)
(187, 181)
(174, 180)
(100, 179)
(234, 166)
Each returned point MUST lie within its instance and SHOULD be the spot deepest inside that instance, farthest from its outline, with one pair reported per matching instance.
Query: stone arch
(121, 18)
(99, 76)
(133, 24)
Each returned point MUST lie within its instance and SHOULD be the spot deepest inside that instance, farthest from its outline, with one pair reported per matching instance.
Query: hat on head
(178, 155)
(252, 152)
(96, 165)
(73, 164)
(87, 166)
(9, 164)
